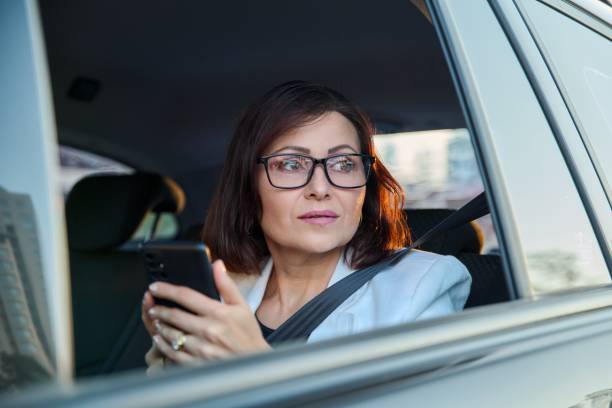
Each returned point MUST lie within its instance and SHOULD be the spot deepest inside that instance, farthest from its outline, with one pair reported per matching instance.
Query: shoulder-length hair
(232, 230)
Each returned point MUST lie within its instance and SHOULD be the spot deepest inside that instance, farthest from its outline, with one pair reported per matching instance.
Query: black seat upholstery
(107, 277)
(465, 243)
(466, 238)
(488, 282)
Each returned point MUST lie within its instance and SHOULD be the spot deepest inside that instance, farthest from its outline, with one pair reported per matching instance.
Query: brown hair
(232, 229)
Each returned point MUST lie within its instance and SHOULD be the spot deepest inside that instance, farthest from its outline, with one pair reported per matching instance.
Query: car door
(550, 347)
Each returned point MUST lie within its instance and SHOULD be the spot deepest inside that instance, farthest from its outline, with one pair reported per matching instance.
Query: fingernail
(156, 338)
(153, 287)
(157, 325)
(152, 311)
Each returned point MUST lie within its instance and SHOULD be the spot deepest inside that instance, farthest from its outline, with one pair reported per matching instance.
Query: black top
(265, 330)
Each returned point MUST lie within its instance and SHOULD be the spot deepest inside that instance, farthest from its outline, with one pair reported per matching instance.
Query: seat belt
(309, 317)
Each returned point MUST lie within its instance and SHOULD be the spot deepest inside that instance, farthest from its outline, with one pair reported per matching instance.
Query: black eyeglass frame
(368, 162)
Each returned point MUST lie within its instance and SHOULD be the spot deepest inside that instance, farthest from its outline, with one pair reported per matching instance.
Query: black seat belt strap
(307, 319)
(476, 208)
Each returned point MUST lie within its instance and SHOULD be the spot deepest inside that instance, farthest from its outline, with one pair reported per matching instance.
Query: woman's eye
(344, 165)
(288, 165)
(291, 165)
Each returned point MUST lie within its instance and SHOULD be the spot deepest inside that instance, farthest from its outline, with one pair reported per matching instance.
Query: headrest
(465, 238)
(104, 210)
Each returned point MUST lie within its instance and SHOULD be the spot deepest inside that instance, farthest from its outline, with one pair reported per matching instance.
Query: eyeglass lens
(288, 171)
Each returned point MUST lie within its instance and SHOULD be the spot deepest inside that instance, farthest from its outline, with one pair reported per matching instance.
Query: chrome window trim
(561, 118)
(426, 349)
(598, 13)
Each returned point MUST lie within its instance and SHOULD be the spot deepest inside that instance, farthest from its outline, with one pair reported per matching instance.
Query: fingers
(152, 355)
(155, 367)
(225, 285)
(188, 298)
(147, 304)
(201, 326)
(195, 346)
(208, 329)
(178, 356)
(179, 319)
(205, 350)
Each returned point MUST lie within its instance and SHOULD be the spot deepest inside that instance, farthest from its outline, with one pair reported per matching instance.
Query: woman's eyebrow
(298, 148)
(307, 151)
(343, 146)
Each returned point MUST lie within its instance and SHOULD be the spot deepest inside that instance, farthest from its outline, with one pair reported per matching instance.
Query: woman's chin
(320, 245)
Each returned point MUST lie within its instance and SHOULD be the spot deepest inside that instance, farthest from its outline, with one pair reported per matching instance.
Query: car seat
(108, 278)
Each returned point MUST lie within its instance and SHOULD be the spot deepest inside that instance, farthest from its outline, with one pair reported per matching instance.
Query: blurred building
(24, 322)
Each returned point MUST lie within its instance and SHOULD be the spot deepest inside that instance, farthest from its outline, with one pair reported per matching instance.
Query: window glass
(582, 58)
(437, 169)
(545, 222)
(76, 164)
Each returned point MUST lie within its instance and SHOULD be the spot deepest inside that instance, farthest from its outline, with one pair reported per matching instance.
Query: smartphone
(182, 263)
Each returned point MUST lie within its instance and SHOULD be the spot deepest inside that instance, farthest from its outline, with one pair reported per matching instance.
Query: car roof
(174, 76)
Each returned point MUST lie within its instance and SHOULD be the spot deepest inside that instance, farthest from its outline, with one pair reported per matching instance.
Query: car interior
(159, 87)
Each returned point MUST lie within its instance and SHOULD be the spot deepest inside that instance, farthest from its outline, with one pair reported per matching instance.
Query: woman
(302, 202)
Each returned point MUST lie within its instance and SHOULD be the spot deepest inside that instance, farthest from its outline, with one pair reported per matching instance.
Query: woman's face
(291, 219)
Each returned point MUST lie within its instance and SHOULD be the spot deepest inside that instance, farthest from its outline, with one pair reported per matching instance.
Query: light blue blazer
(421, 286)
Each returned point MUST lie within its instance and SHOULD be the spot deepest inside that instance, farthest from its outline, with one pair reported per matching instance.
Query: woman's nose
(318, 186)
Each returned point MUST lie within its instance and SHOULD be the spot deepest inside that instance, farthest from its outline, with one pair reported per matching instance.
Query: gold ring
(178, 342)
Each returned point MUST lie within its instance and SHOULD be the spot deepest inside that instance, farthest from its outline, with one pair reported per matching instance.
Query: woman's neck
(297, 278)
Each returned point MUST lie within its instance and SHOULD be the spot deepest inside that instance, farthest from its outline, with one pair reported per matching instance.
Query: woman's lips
(319, 217)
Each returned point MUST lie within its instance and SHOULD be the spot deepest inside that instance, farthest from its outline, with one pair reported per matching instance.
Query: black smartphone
(182, 263)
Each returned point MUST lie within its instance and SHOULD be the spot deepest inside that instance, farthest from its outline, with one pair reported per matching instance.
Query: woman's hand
(213, 330)
(153, 358)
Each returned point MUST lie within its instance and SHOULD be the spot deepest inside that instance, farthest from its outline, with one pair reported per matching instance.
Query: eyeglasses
(295, 170)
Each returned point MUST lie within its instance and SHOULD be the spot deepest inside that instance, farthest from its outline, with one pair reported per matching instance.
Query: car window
(77, 163)
(582, 59)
